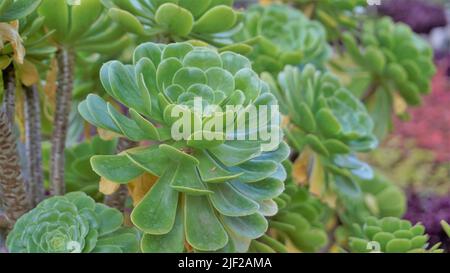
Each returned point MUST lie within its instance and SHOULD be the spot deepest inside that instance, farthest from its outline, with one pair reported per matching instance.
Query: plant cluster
(72, 223)
(89, 95)
(390, 235)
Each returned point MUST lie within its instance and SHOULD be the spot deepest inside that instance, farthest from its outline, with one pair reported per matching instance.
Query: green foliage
(334, 15)
(383, 198)
(328, 119)
(211, 21)
(213, 194)
(300, 220)
(78, 173)
(11, 10)
(85, 26)
(282, 36)
(224, 191)
(318, 106)
(72, 223)
(446, 227)
(397, 59)
(26, 43)
(379, 197)
(391, 235)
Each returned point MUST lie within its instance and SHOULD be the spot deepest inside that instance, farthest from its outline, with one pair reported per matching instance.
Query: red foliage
(430, 124)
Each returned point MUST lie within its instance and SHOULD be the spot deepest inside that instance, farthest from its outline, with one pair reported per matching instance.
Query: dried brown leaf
(139, 186)
(107, 187)
(9, 33)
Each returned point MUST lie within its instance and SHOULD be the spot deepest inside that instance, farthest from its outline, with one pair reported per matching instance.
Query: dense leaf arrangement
(85, 26)
(327, 119)
(78, 174)
(397, 59)
(205, 20)
(334, 15)
(11, 10)
(24, 30)
(300, 219)
(72, 223)
(204, 188)
(213, 194)
(280, 36)
(379, 197)
(382, 197)
(390, 235)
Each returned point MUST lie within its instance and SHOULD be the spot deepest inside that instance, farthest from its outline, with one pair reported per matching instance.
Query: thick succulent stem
(4, 226)
(9, 102)
(371, 90)
(33, 144)
(117, 199)
(12, 185)
(61, 118)
(4, 222)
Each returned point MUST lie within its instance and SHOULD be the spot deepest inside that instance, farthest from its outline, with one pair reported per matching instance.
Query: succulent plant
(85, 26)
(301, 218)
(72, 223)
(11, 10)
(445, 227)
(326, 118)
(392, 235)
(23, 41)
(382, 197)
(379, 198)
(78, 174)
(282, 36)
(334, 15)
(212, 193)
(211, 21)
(397, 59)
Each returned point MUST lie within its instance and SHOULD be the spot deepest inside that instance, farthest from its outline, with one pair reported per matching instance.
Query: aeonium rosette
(301, 221)
(397, 59)
(391, 235)
(211, 21)
(282, 36)
(326, 124)
(72, 223)
(215, 184)
(334, 15)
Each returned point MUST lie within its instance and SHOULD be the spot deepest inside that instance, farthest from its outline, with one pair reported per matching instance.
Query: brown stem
(12, 185)
(61, 118)
(118, 198)
(331, 239)
(33, 144)
(9, 96)
(4, 222)
(370, 91)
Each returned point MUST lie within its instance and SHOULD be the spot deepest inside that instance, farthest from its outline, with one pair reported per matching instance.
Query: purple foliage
(420, 15)
(430, 210)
